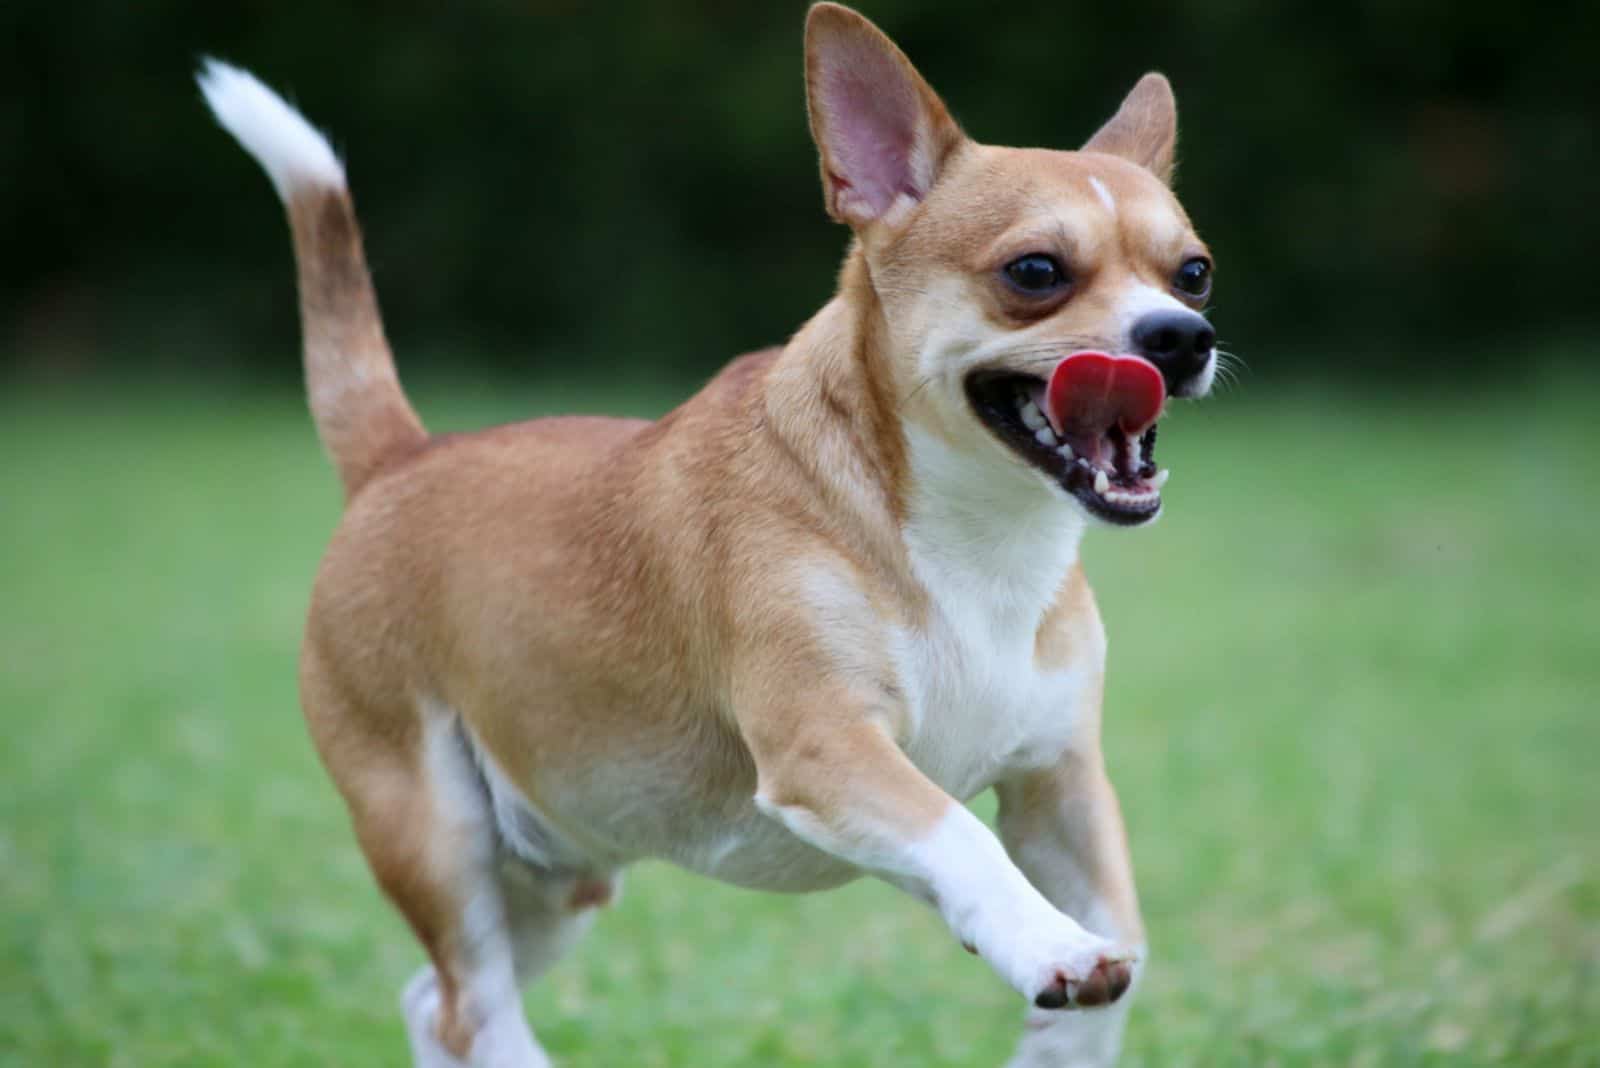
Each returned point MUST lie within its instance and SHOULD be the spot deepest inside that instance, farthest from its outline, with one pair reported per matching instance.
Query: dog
(780, 635)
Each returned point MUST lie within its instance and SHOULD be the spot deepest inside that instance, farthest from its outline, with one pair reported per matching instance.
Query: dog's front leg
(1064, 828)
(832, 774)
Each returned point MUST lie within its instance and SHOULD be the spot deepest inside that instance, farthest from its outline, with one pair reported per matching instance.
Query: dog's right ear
(1145, 128)
(883, 134)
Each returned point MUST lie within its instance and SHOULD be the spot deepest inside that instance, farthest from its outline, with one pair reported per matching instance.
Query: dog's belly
(728, 840)
(756, 852)
(601, 815)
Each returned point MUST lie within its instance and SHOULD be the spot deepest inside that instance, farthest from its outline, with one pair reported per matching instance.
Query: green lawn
(1354, 713)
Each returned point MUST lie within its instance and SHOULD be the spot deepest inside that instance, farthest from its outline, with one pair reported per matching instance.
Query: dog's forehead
(1087, 200)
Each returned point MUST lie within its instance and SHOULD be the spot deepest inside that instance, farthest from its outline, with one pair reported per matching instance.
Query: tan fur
(363, 418)
(650, 628)
(1067, 817)
(1144, 129)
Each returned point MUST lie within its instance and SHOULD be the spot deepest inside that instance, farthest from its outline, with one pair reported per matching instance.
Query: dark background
(546, 186)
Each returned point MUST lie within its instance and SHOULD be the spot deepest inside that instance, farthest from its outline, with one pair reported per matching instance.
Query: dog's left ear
(1144, 129)
(883, 134)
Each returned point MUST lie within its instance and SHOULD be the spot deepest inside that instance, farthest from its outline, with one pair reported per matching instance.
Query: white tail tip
(289, 148)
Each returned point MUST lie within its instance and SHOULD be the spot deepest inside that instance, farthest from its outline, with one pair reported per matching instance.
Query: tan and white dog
(780, 635)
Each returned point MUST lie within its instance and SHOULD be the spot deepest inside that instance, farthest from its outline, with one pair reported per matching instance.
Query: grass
(1355, 678)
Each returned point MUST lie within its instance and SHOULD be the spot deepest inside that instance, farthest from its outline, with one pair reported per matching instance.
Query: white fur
(993, 547)
(289, 149)
(1079, 1039)
(1138, 300)
(503, 1043)
(488, 995)
(1208, 376)
(990, 905)
(1104, 194)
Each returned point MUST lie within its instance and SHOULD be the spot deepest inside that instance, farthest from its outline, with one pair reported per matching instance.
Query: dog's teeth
(1101, 483)
(1032, 417)
(1066, 451)
(1045, 436)
(1159, 479)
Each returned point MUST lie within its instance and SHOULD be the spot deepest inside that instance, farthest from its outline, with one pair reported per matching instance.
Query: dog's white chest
(991, 550)
(979, 702)
(980, 706)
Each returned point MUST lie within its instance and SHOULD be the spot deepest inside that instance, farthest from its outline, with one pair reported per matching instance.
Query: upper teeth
(1160, 478)
(1101, 482)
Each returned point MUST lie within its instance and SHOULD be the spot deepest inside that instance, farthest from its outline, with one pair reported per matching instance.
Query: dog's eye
(1036, 273)
(1194, 277)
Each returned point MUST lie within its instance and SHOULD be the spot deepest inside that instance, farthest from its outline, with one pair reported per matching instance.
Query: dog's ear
(1144, 129)
(882, 133)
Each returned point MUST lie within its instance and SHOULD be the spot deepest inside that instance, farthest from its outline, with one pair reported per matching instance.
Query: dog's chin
(1111, 476)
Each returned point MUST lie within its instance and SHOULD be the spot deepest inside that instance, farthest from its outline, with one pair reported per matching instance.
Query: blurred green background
(1353, 693)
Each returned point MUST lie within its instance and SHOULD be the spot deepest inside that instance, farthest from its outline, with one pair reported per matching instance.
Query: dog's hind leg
(545, 914)
(423, 819)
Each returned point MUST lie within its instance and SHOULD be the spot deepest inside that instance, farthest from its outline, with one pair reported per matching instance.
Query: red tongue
(1089, 392)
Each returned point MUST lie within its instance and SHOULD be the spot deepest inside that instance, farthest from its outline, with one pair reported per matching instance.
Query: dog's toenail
(1094, 990)
(1121, 978)
(1052, 997)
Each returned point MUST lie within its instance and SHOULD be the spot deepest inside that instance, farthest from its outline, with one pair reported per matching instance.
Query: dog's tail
(361, 413)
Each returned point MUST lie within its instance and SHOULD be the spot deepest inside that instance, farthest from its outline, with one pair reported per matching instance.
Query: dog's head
(1039, 305)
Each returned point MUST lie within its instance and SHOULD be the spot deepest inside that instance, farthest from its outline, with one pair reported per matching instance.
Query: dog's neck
(969, 529)
(978, 536)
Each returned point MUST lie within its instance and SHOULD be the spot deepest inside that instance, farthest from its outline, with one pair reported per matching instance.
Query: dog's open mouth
(1091, 428)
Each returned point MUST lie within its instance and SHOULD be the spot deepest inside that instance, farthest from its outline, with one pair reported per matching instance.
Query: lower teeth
(1041, 430)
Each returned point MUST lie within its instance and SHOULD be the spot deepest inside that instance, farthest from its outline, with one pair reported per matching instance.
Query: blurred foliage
(633, 182)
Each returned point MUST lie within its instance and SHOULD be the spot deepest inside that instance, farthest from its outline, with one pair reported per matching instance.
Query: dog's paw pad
(1107, 982)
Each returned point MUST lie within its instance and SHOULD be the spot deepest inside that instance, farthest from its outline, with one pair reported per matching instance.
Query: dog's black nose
(1178, 342)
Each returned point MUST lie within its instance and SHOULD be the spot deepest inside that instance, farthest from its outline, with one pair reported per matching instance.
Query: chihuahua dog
(780, 635)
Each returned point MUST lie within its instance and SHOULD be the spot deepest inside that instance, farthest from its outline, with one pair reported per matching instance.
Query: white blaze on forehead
(1104, 194)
